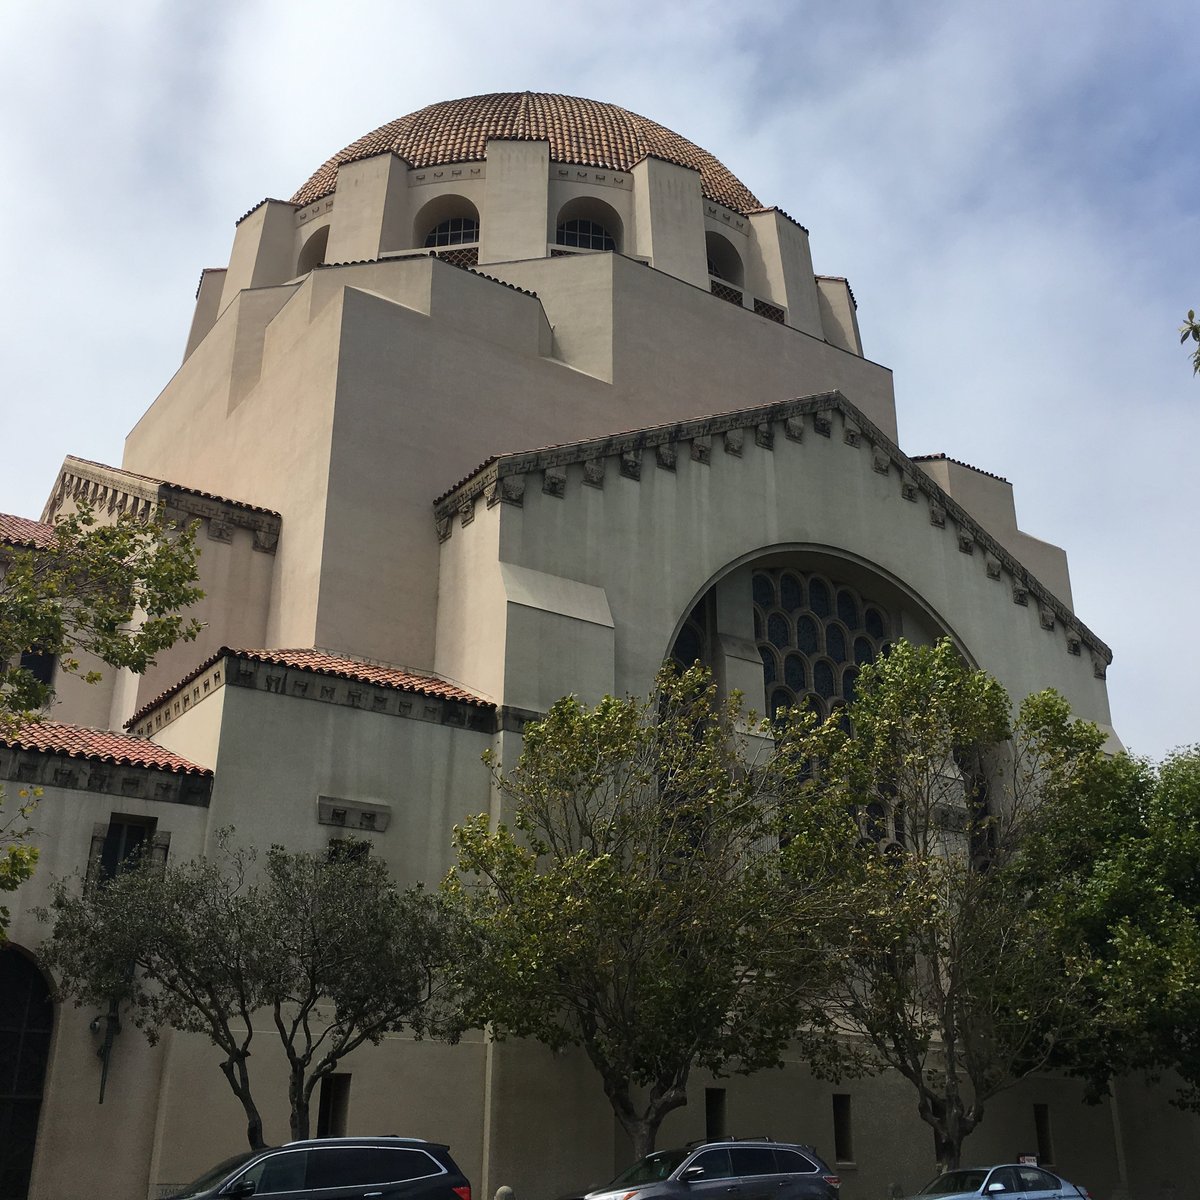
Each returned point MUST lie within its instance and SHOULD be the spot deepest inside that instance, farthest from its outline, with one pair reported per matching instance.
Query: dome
(584, 132)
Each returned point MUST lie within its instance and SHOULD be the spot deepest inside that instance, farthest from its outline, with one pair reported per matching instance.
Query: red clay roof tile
(322, 662)
(20, 531)
(78, 741)
(584, 132)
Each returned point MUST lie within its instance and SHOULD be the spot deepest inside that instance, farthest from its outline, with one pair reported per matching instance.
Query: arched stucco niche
(788, 624)
(724, 262)
(447, 220)
(589, 223)
(312, 253)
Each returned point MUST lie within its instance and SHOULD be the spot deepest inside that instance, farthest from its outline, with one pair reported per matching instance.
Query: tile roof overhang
(579, 131)
(321, 662)
(501, 479)
(101, 745)
(24, 533)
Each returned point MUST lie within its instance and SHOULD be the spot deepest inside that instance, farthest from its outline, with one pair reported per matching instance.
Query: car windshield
(954, 1181)
(212, 1176)
(650, 1169)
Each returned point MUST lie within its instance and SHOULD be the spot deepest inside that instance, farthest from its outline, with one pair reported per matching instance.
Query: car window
(650, 1169)
(339, 1166)
(752, 1160)
(954, 1181)
(714, 1164)
(392, 1166)
(792, 1162)
(1006, 1178)
(283, 1172)
(1033, 1180)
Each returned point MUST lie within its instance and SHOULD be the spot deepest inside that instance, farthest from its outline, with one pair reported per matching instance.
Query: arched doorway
(26, 1022)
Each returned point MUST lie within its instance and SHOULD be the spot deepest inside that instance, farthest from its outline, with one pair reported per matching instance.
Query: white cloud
(1011, 190)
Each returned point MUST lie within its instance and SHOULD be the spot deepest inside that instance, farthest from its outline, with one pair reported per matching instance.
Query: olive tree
(329, 949)
(946, 968)
(633, 907)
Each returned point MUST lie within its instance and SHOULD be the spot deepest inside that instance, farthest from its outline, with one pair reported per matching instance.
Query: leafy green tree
(17, 859)
(634, 906)
(944, 967)
(1190, 330)
(115, 591)
(1122, 874)
(328, 948)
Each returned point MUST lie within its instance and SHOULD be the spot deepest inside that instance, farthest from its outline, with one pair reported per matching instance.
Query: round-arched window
(585, 235)
(812, 634)
(454, 231)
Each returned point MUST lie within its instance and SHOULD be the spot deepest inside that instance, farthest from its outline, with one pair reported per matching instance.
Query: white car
(1011, 1181)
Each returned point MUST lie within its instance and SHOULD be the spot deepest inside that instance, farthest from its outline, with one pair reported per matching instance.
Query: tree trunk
(642, 1127)
(239, 1080)
(298, 1097)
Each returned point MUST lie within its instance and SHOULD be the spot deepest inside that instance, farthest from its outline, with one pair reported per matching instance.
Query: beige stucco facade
(665, 427)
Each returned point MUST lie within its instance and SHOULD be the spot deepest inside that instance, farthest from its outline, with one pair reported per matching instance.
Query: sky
(1012, 189)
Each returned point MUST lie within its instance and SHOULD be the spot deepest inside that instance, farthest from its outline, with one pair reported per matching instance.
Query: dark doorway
(26, 1020)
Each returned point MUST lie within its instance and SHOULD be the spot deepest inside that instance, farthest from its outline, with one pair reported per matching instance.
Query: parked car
(385, 1168)
(731, 1169)
(1011, 1181)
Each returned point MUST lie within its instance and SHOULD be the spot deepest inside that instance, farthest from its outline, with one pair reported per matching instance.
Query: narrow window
(843, 1132)
(332, 1105)
(1041, 1123)
(119, 844)
(714, 1114)
(39, 665)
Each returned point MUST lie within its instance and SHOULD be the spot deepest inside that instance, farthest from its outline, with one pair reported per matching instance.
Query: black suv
(754, 1169)
(383, 1168)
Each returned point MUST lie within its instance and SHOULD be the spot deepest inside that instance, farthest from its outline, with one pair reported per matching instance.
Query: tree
(1122, 875)
(115, 591)
(333, 952)
(17, 858)
(1190, 329)
(946, 970)
(634, 905)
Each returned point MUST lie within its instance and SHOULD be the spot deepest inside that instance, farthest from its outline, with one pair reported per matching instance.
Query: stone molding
(73, 772)
(547, 469)
(116, 491)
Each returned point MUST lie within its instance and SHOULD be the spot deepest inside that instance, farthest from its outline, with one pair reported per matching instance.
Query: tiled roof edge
(179, 766)
(766, 208)
(266, 200)
(270, 656)
(958, 462)
(841, 279)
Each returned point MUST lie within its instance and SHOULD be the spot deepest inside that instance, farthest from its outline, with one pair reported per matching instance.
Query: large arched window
(26, 1022)
(587, 223)
(813, 634)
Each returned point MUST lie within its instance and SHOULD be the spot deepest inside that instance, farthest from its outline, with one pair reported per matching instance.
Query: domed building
(514, 397)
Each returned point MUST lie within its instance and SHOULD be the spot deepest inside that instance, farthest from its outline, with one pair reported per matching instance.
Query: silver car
(1011, 1181)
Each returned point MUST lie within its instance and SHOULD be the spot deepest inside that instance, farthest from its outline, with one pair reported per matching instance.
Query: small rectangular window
(333, 1105)
(1041, 1124)
(714, 1114)
(39, 665)
(119, 843)
(843, 1132)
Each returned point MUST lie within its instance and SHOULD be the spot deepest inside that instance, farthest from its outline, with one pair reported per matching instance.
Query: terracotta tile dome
(585, 132)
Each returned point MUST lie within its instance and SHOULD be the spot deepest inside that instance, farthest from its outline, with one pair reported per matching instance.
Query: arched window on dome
(312, 253)
(587, 223)
(449, 226)
(454, 231)
(724, 262)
